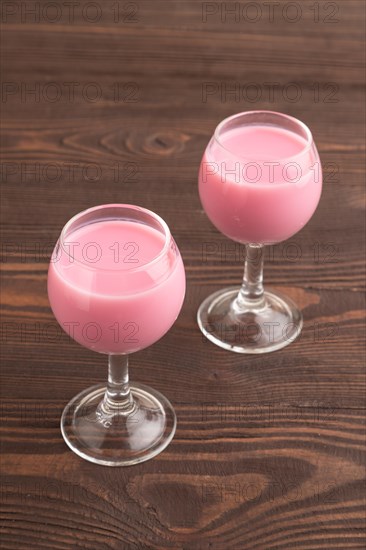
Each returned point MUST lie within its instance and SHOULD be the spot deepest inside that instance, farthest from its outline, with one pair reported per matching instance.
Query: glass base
(272, 325)
(121, 439)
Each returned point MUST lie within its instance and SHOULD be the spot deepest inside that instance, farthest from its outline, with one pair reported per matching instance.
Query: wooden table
(115, 102)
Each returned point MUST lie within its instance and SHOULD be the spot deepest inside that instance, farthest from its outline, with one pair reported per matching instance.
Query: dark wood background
(269, 451)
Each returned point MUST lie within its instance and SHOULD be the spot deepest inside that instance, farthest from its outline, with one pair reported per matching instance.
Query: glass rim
(132, 207)
(302, 125)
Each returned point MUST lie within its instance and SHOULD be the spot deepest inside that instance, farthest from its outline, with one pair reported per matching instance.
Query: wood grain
(269, 452)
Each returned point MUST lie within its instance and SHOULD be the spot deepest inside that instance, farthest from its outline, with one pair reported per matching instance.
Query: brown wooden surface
(269, 451)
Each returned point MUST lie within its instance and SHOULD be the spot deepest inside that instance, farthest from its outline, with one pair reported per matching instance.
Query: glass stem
(251, 294)
(118, 398)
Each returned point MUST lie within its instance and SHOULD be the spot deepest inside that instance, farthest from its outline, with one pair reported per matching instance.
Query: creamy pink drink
(115, 287)
(255, 183)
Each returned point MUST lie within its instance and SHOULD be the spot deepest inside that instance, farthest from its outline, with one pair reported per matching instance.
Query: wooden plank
(269, 452)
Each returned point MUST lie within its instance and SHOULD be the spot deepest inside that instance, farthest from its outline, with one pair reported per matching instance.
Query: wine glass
(116, 284)
(260, 182)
